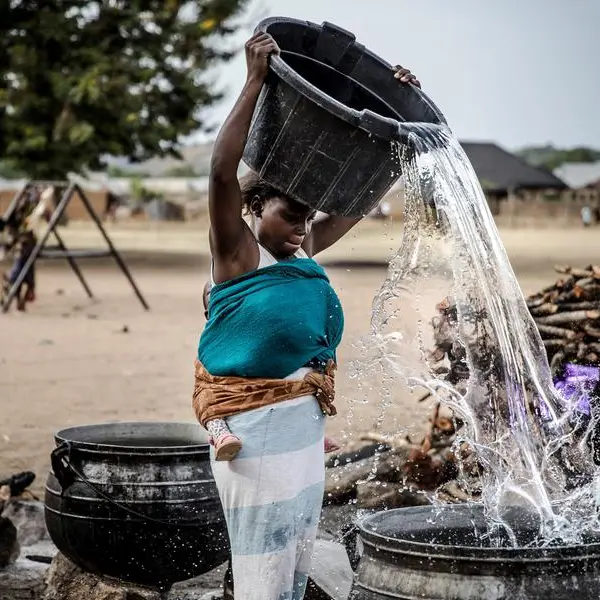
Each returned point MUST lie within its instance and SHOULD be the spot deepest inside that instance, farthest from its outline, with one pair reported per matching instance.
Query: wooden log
(351, 456)
(563, 269)
(555, 332)
(452, 492)
(423, 469)
(570, 350)
(393, 441)
(571, 306)
(437, 355)
(440, 370)
(577, 316)
(557, 360)
(534, 301)
(566, 270)
(590, 293)
(564, 285)
(568, 296)
(592, 331)
(595, 269)
(340, 482)
(554, 345)
(544, 309)
(394, 467)
(382, 495)
(551, 296)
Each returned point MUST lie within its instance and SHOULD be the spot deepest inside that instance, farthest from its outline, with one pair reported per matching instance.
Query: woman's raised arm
(228, 229)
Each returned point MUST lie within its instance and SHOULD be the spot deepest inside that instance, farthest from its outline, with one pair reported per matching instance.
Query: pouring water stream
(522, 430)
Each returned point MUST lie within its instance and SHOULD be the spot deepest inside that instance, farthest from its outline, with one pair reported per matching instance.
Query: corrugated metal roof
(499, 170)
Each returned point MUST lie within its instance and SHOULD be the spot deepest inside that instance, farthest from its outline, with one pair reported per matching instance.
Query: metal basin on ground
(440, 554)
(136, 501)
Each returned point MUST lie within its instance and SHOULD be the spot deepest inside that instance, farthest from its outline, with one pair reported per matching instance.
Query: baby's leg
(226, 444)
(217, 428)
(331, 445)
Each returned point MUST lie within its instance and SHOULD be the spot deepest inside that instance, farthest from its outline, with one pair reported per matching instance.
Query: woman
(266, 357)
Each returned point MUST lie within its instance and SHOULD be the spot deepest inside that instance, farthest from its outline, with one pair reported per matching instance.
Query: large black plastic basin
(326, 127)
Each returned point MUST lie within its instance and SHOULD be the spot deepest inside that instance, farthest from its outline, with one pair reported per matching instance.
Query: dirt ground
(71, 361)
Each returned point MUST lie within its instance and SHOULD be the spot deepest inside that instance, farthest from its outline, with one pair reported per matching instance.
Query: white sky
(517, 72)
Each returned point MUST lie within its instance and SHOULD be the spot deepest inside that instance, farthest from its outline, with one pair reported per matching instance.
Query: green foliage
(551, 158)
(9, 171)
(141, 194)
(137, 189)
(181, 171)
(117, 172)
(80, 80)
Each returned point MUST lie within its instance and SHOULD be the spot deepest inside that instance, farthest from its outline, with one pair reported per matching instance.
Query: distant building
(505, 176)
(579, 175)
(502, 173)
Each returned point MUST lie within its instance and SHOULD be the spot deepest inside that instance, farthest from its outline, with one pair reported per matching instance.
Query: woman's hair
(253, 187)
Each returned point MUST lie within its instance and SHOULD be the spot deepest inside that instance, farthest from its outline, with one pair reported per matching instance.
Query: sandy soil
(70, 361)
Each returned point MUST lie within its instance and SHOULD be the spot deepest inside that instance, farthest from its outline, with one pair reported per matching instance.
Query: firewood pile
(567, 315)
(395, 472)
(404, 472)
(401, 472)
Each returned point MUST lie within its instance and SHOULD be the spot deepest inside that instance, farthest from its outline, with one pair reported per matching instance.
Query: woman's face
(282, 224)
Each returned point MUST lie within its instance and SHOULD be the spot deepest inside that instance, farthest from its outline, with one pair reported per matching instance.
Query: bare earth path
(69, 361)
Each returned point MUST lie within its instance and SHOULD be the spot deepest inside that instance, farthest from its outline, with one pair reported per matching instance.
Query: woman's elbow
(222, 169)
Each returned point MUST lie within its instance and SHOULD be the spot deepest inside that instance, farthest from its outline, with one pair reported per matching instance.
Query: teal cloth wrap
(272, 321)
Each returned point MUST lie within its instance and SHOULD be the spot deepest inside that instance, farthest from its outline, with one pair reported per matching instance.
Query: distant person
(587, 216)
(22, 241)
(112, 204)
(20, 228)
(266, 357)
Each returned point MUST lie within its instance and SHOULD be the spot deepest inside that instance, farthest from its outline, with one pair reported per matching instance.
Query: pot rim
(64, 436)
(373, 123)
(463, 553)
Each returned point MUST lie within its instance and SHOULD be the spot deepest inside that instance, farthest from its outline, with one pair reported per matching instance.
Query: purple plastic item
(576, 385)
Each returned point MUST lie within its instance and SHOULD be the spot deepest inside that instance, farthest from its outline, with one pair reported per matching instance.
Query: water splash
(524, 433)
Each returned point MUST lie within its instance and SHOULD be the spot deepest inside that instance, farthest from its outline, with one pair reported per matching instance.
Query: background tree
(550, 158)
(81, 80)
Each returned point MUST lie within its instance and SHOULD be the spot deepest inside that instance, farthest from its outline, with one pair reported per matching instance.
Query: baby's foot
(226, 446)
(331, 445)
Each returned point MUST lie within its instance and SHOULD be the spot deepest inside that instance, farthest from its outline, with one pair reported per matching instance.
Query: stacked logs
(567, 315)
(399, 472)
(402, 472)
(395, 472)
